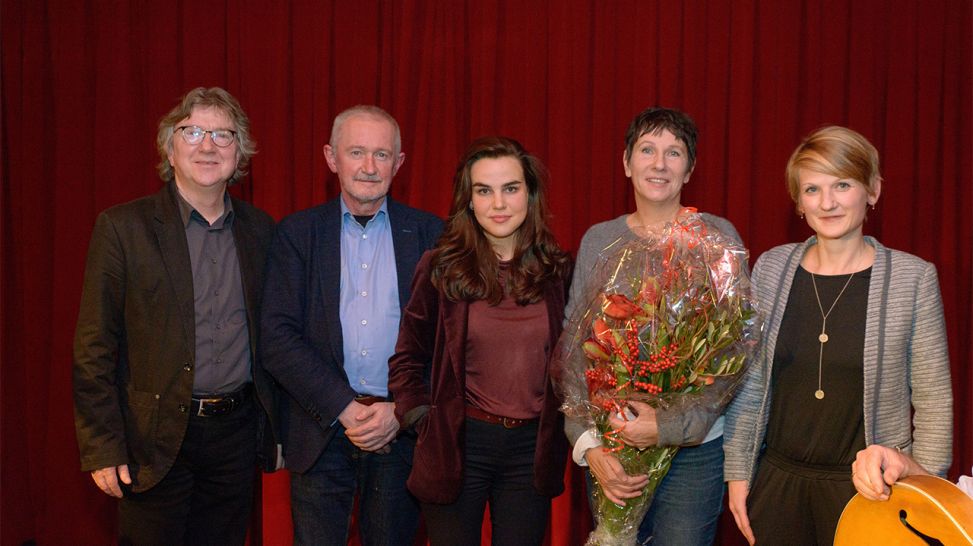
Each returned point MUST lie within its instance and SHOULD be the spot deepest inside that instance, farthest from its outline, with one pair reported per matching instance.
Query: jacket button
(183, 408)
(188, 367)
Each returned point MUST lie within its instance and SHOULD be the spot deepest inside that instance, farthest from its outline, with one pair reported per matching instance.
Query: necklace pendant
(819, 394)
(823, 338)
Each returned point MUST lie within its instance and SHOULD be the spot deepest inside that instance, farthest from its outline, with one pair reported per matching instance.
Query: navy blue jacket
(301, 341)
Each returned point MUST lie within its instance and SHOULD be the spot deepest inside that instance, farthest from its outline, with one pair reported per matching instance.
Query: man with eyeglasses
(172, 408)
(337, 278)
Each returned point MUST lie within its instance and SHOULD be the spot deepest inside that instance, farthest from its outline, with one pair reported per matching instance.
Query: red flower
(619, 307)
(595, 350)
(602, 332)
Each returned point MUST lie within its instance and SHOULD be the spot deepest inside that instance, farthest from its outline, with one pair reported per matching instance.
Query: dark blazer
(432, 344)
(135, 343)
(301, 329)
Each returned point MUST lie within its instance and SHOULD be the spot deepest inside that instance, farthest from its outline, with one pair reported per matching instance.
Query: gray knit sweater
(906, 361)
(675, 427)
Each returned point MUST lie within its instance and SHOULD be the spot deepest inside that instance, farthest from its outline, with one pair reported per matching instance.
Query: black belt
(214, 405)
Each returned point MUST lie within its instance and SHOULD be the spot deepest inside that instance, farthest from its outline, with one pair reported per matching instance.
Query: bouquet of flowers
(668, 321)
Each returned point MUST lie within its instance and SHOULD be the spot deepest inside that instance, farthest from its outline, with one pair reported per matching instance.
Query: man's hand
(107, 479)
(640, 432)
(737, 499)
(614, 482)
(877, 467)
(370, 428)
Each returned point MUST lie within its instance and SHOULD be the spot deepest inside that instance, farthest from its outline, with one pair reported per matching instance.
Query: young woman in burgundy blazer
(470, 372)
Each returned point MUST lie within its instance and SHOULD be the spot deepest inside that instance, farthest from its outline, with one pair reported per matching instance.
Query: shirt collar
(346, 214)
(187, 213)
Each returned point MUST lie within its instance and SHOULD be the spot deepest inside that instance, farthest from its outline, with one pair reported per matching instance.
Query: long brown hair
(465, 265)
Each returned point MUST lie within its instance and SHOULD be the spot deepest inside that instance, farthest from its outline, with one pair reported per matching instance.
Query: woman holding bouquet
(854, 342)
(659, 156)
(470, 371)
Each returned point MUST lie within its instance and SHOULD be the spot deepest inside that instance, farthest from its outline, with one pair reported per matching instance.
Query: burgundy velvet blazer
(429, 369)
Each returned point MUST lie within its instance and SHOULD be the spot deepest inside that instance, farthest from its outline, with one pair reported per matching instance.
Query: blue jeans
(688, 502)
(322, 498)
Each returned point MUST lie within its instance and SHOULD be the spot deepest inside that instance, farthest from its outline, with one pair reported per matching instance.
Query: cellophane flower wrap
(667, 319)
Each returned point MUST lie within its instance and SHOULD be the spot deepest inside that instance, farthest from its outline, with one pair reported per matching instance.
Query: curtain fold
(84, 84)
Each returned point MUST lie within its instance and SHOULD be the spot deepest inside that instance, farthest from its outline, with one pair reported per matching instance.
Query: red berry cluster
(600, 376)
(661, 361)
(632, 339)
(650, 388)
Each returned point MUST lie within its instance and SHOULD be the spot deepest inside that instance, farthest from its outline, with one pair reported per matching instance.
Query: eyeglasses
(194, 135)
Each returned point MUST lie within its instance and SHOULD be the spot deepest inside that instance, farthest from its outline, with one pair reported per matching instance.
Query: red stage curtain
(84, 84)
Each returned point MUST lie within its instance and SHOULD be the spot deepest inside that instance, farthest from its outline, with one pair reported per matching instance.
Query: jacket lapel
(406, 246)
(171, 235)
(455, 316)
(327, 257)
(248, 254)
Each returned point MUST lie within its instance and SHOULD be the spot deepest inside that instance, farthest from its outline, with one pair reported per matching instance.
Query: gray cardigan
(675, 427)
(906, 360)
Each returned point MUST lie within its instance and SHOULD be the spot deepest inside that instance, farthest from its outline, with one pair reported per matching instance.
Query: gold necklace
(823, 336)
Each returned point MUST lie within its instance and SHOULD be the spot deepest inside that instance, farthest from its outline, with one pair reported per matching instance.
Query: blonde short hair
(835, 151)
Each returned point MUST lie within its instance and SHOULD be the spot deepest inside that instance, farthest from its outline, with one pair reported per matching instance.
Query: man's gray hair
(367, 110)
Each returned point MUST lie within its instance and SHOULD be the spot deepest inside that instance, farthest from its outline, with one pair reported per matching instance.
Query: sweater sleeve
(740, 429)
(929, 378)
(592, 244)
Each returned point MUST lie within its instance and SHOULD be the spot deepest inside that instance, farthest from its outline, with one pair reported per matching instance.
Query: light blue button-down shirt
(369, 300)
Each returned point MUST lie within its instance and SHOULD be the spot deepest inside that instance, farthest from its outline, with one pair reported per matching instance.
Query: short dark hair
(656, 119)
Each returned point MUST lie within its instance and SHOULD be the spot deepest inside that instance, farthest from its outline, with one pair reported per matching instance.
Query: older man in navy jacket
(336, 280)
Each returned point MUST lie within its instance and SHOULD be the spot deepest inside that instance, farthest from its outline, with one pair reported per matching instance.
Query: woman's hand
(614, 482)
(738, 491)
(878, 467)
(640, 432)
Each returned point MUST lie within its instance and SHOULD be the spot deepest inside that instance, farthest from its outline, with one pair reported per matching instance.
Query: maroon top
(506, 356)
(428, 370)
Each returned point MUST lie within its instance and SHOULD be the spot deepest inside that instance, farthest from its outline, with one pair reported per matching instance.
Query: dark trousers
(322, 498)
(795, 504)
(207, 496)
(498, 467)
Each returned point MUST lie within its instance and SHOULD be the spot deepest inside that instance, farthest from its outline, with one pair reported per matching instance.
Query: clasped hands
(370, 428)
(640, 431)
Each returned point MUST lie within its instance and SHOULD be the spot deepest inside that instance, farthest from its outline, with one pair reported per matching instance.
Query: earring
(471, 205)
(801, 214)
(873, 205)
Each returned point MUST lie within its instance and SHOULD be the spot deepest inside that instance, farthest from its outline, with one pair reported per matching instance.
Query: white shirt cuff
(586, 441)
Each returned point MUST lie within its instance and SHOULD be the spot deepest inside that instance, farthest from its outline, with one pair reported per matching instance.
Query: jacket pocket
(141, 425)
